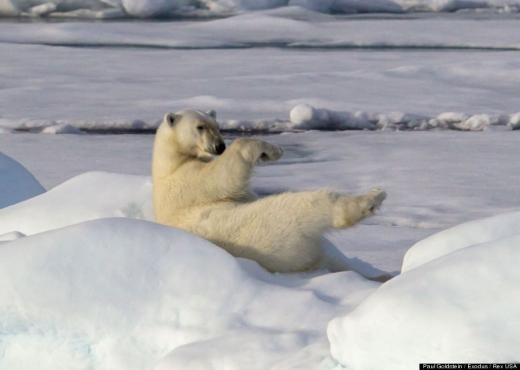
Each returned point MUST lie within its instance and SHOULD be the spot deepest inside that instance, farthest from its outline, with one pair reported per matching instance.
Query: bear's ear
(212, 113)
(171, 118)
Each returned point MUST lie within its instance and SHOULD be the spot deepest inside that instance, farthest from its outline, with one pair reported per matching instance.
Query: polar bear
(201, 186)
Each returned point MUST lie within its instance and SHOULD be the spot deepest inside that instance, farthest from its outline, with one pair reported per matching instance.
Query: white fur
(209, 195)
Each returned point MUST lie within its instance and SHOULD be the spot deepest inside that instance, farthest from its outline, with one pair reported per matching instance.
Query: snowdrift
(93, 286)
(89, 196)
(457, 301)
(462, 236)
(16, 183)
(306, 117)
(302, 117)
(124, 294)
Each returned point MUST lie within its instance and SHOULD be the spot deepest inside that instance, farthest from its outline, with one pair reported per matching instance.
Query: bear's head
(192, 133)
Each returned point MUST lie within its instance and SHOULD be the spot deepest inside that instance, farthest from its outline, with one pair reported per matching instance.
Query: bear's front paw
(374, 199)
(270, 152)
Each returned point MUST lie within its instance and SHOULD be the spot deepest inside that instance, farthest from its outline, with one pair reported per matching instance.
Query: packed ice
(170, 8)
(379, 73)
(301, 117)
(292, 28)
(304, 116)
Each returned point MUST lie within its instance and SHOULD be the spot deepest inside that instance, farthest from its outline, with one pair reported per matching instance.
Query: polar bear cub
(201, 186)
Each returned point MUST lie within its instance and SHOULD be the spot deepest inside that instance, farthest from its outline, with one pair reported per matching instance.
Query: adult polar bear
(202, 187)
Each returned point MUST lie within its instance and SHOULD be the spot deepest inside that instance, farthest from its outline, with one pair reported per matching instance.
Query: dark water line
(276, 45)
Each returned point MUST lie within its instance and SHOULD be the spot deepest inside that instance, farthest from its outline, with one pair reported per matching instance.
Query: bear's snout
(220, 148)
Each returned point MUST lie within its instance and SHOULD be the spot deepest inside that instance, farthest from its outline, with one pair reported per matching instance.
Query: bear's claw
(376, 197)
(271, 152)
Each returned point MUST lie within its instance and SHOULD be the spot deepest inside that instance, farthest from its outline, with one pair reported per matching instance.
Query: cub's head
(192, 133)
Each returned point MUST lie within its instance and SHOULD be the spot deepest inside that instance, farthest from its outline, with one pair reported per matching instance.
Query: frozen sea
(434, 97)
(257, 66)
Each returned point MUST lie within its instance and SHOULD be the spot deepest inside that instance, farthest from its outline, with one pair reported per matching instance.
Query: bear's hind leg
(284, 232)
(311, 212)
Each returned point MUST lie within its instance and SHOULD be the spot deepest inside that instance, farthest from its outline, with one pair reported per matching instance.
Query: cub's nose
(220, 148)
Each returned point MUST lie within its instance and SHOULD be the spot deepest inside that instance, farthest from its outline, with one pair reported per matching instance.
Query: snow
(306, 117)
(88, 282)
(379, 73)
(61, 129)
(89, 196)
(84, 289)
(301, 117)
(515, 121)
(13, 235)
(461, 236)
(458, 308)
(123, 294)
(293, 28)
(169, 8)
(16, 183)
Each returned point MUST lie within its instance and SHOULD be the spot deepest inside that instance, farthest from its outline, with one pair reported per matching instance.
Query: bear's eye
(200, 128)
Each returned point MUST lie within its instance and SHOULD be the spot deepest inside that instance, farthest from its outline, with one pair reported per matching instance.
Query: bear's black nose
(220, 148)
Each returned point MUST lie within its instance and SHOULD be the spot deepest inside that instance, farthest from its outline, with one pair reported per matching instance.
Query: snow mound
(306, 117)
(515, 121)
(75, 126)
(129, 294)
(16, 183)
(301, 117)
(459, 308)
(13, 235)
(461, 236)
(85, 197)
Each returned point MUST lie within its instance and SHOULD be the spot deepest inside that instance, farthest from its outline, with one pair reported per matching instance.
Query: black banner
(475, 366)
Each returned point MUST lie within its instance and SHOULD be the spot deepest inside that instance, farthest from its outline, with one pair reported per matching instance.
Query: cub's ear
(212, 113)
(171, 118)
